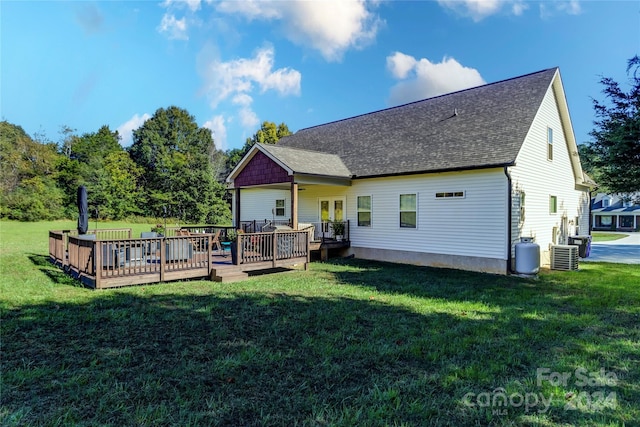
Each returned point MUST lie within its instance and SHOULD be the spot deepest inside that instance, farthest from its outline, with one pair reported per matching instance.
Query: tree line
(172, 169)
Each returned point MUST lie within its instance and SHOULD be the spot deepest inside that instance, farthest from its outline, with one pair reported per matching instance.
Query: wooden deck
(111, 258)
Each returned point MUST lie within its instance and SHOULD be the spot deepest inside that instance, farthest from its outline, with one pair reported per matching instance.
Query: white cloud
(242, 99)
(480, 9)
(330, 27)
(176, 29)
(126, 129)
(236, 81)
(193, 5)
(218, 130)
(427, 79)
(251, 9)
(227, 79)
(400, 64)
(570, 7)
(248, 118)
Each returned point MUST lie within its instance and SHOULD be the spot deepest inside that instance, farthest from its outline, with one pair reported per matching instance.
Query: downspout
(590, 213)
(509, 218)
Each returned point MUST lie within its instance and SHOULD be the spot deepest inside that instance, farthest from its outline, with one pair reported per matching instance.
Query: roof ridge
(299, 149)
(427, 99)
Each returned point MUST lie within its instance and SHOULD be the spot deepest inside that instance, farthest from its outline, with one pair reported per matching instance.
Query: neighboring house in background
(452, 181)
(615, 212)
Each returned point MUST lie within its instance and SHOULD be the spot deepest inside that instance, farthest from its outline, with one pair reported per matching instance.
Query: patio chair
(150, 249)
(178, 250)
(215, 242)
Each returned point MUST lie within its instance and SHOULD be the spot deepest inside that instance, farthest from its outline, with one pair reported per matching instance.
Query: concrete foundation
(483, 265)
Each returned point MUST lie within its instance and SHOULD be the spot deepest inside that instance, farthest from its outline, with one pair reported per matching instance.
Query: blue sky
(234, 64)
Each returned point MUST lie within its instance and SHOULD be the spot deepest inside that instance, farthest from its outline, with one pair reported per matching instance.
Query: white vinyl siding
(259, 203)
(472, 226)
(538, 179)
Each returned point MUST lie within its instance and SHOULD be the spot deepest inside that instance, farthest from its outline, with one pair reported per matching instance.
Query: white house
(616, 212)
(451, 181)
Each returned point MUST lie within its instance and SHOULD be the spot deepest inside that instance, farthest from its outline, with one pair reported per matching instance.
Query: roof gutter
(509, 217)
(433, 171)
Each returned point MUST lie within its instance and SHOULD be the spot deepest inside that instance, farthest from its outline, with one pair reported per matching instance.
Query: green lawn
(347, 343)
(603, 236)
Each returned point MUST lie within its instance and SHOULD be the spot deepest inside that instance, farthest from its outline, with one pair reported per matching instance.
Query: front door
(332, 209)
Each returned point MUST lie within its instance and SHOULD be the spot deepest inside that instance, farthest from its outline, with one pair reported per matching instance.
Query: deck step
(229, 276)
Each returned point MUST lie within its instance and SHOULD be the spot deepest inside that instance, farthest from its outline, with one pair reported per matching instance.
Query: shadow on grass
(53, 272)
(260, 358)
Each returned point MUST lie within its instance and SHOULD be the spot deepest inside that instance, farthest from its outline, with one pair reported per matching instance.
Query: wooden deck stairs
(227, 275)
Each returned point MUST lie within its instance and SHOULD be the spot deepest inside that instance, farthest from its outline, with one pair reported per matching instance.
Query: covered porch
(268, 183)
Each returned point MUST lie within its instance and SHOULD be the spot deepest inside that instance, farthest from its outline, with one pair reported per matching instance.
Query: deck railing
(200, 229)
(271, 247)
(59, 240)
(257, 225)
(125, 261)
(323, 231)
(120, 262)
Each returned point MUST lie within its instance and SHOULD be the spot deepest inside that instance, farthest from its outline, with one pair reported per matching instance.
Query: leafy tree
(175, 157)
(84, 162)
(28, 170)
(116, 190)
(614, 155)
(269, 133)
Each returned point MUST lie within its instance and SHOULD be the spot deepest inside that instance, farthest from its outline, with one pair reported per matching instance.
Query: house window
(553, 204)
(364, 211)
(626, 221)
(450, 195)
(549, 144)
(280, 210)
(408, 210)
(604, 220)
(606, 202)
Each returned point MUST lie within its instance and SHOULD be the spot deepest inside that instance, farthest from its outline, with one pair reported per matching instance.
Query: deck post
(306, 264)
(274, 248)
(97, 263)
(294, 205)
(210, 254)
(237, 209)
(163, 257)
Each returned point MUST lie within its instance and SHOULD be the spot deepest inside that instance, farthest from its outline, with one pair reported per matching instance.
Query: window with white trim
(549, 144)
(364, 211)
(408, 210)
(280, 207)
(450, 195)
(553, 204)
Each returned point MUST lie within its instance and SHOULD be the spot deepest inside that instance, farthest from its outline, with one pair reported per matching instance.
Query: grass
(349, 342)
(602, 236)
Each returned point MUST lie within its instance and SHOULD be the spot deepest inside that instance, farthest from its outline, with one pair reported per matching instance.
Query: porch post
(237, 213)
(294, 205)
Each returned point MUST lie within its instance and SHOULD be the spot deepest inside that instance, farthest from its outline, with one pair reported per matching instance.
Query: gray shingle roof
(425, 136)
(309, 162)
